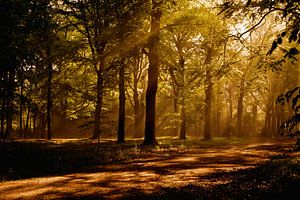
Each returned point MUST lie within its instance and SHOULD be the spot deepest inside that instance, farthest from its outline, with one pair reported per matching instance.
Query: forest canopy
(146, 69)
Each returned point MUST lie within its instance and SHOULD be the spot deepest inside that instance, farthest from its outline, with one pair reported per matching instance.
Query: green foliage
(288, 11)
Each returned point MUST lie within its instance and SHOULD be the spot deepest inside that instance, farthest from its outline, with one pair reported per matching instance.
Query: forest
(149, 99)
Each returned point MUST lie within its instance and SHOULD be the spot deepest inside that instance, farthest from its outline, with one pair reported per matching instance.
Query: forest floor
(221, 169)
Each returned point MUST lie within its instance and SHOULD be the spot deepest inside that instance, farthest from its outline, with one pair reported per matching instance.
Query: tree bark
(208, 111)
(218, 112)
(153, 73)
(34, 121)
(49, 100)
(43, 122)
(208, 98)
(97, 123)
(240, 108)
(9, 103)
(27, 122)
(254, 117)
(2, 119)
(122, 101)
(175, 107)
(182, 135)
(21, 105)
(137, 105)
(230, 117)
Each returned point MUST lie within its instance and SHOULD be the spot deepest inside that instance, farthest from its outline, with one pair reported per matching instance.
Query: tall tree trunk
(2, 128)
(27, 122)
(182, 135)
(208, 111)
(176, 97)
(137, 119)
(230, 117)
(137, 106)
(97, 122)
(9, 103)
(21, 106)
(153, 73)
(208, 98)
(218, 113)
(34, 121)
(267, 128)
(43, 122)
(142, 108)
(2, 118)
(218, 123)
(273, 120)
(240, 108)
(254, 117)
(121, 126)
(49, 100)
(64, 108)
(280, 117)
(175, 107)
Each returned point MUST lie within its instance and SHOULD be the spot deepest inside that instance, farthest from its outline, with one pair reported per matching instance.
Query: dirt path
(118, 181)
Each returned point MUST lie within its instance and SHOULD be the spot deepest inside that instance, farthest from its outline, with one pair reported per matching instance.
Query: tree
(153, 72)
(288, 10)
(20, 40)
(101, 24)
(292, 98)
(137, 70)
(122, 99)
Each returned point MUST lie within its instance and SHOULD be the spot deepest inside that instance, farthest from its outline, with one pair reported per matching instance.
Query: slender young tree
(122, 101)
(208, 96)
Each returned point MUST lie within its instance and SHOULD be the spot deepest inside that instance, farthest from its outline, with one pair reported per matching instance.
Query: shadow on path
(176, 177)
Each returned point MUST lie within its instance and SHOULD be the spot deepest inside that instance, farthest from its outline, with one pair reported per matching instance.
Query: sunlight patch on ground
(113, 180)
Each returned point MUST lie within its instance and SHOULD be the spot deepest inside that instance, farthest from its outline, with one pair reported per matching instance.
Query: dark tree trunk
(153, 73)
(229, 131)
(176, 97)
(27, 122)
(49, 100)
(21, 107)
(280, 117)
(2, 118)
(230, 106)
(240, 108)
(64, 108)
(218, 123)
(138, 115)
(43, 122)
(34, 121)
(175, 102)
(254, 117)
(267, 128)
(208, 111)
(2, 128)
(218, 112)
(122, 99)
(97, 122)
(208, 98)
(9, 103)
(273, 123)
(182, 135)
